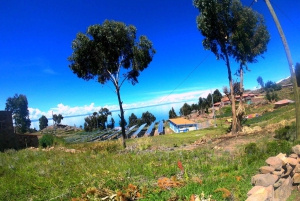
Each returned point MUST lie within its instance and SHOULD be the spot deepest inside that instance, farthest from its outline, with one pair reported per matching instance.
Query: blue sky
(36, 36)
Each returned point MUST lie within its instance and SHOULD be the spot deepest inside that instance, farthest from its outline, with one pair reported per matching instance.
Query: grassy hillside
(167, 167)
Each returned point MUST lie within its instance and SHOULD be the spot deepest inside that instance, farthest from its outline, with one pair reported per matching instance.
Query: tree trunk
(122, 118)
(293, 76)
(241, 109)
(232, 98)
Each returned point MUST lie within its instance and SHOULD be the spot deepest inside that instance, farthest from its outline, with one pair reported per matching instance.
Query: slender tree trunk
(233, 128)
(241, 110)
(122, 118)
(290, 61)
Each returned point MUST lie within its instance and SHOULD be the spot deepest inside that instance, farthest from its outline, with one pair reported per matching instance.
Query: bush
(251, 149)
(286, 133)
(275, 147)
(46, 141)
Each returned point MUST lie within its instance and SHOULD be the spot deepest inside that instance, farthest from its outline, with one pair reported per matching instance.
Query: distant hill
(285, 81)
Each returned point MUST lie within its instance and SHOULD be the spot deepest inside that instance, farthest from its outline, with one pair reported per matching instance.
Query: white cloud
(66, 110)
(49, 71)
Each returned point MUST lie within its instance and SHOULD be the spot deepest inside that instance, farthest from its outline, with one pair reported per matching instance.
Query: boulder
(264, 179)
(275, 162)
(266, 169)
(296, 149)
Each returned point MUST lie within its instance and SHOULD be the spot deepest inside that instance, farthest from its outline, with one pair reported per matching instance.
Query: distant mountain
(285, 81)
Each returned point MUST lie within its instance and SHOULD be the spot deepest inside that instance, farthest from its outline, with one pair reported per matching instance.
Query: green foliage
(260, 82)
(185, 110)
(43, 122)
(147, 118)
(275, 147)
(132, 120)
(272, 86)
(217, 96)
(172, 114)
(110, 53)
(97, 121)
(46, 140)
(252, 149)
(271, 96)
(286, 133)
(225, 112)
(18, 105)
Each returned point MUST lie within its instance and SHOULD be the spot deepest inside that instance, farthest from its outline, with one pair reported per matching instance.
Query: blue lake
(161, 112)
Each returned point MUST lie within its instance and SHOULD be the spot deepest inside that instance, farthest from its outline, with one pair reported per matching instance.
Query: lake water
(161, 112)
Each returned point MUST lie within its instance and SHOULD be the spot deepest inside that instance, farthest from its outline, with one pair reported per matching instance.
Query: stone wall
(26, 140)
(277, 178)
(7, 135)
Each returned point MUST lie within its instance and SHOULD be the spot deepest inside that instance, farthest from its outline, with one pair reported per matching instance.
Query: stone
(296, 178)
(261, 193)
(295, 156)
(278, 173)
(288, 169)
(283, 192)
(297, 168)
(282, 157)
(275, 162)
(296, 149)
(266, 169)
(292, 161)
(264, 179)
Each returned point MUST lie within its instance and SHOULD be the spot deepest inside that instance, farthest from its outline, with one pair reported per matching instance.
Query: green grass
(58, 175)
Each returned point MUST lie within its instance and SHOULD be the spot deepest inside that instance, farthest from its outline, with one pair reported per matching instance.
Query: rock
(282, 157)
(264, 179)
(278, 173)
(284, 191)
(266, 169)
(275, 162)
(296, 178)
(295, 156)
(293, 162)
(296, 149)
(261, 193)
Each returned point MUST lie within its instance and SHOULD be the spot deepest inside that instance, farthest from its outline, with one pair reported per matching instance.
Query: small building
(283, 103)
(179, 125)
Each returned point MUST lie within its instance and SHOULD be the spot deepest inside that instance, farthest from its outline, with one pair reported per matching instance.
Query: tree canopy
(18, 105)
(43, 122)
(185, 110)
(260, 81)
(110, 52)
(172, 114)
(147, 118)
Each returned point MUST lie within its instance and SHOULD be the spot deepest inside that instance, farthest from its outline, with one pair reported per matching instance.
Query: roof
(284, 101)
(181, 121)
(217, 104)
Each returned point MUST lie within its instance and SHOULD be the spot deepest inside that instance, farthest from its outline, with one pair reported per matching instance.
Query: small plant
(46, 141)
(286, 133)
(251, 149)
(144, 143)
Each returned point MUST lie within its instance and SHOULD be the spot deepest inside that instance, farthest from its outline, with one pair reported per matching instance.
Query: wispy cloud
(49, 71)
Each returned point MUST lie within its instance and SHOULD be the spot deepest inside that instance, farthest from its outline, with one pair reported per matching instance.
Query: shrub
(276, 147)
(46, 141)
(251, 149)
(286, 133)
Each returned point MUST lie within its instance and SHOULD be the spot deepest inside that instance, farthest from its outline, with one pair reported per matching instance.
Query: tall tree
(110, 52)
(231, 30)
(217, 96)
(132, 120)
(215, 22)
(147, 118)
(43, 122)
(172, 114)
(260, 81)
(185, 110)
(18, 105)
(249, 40)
